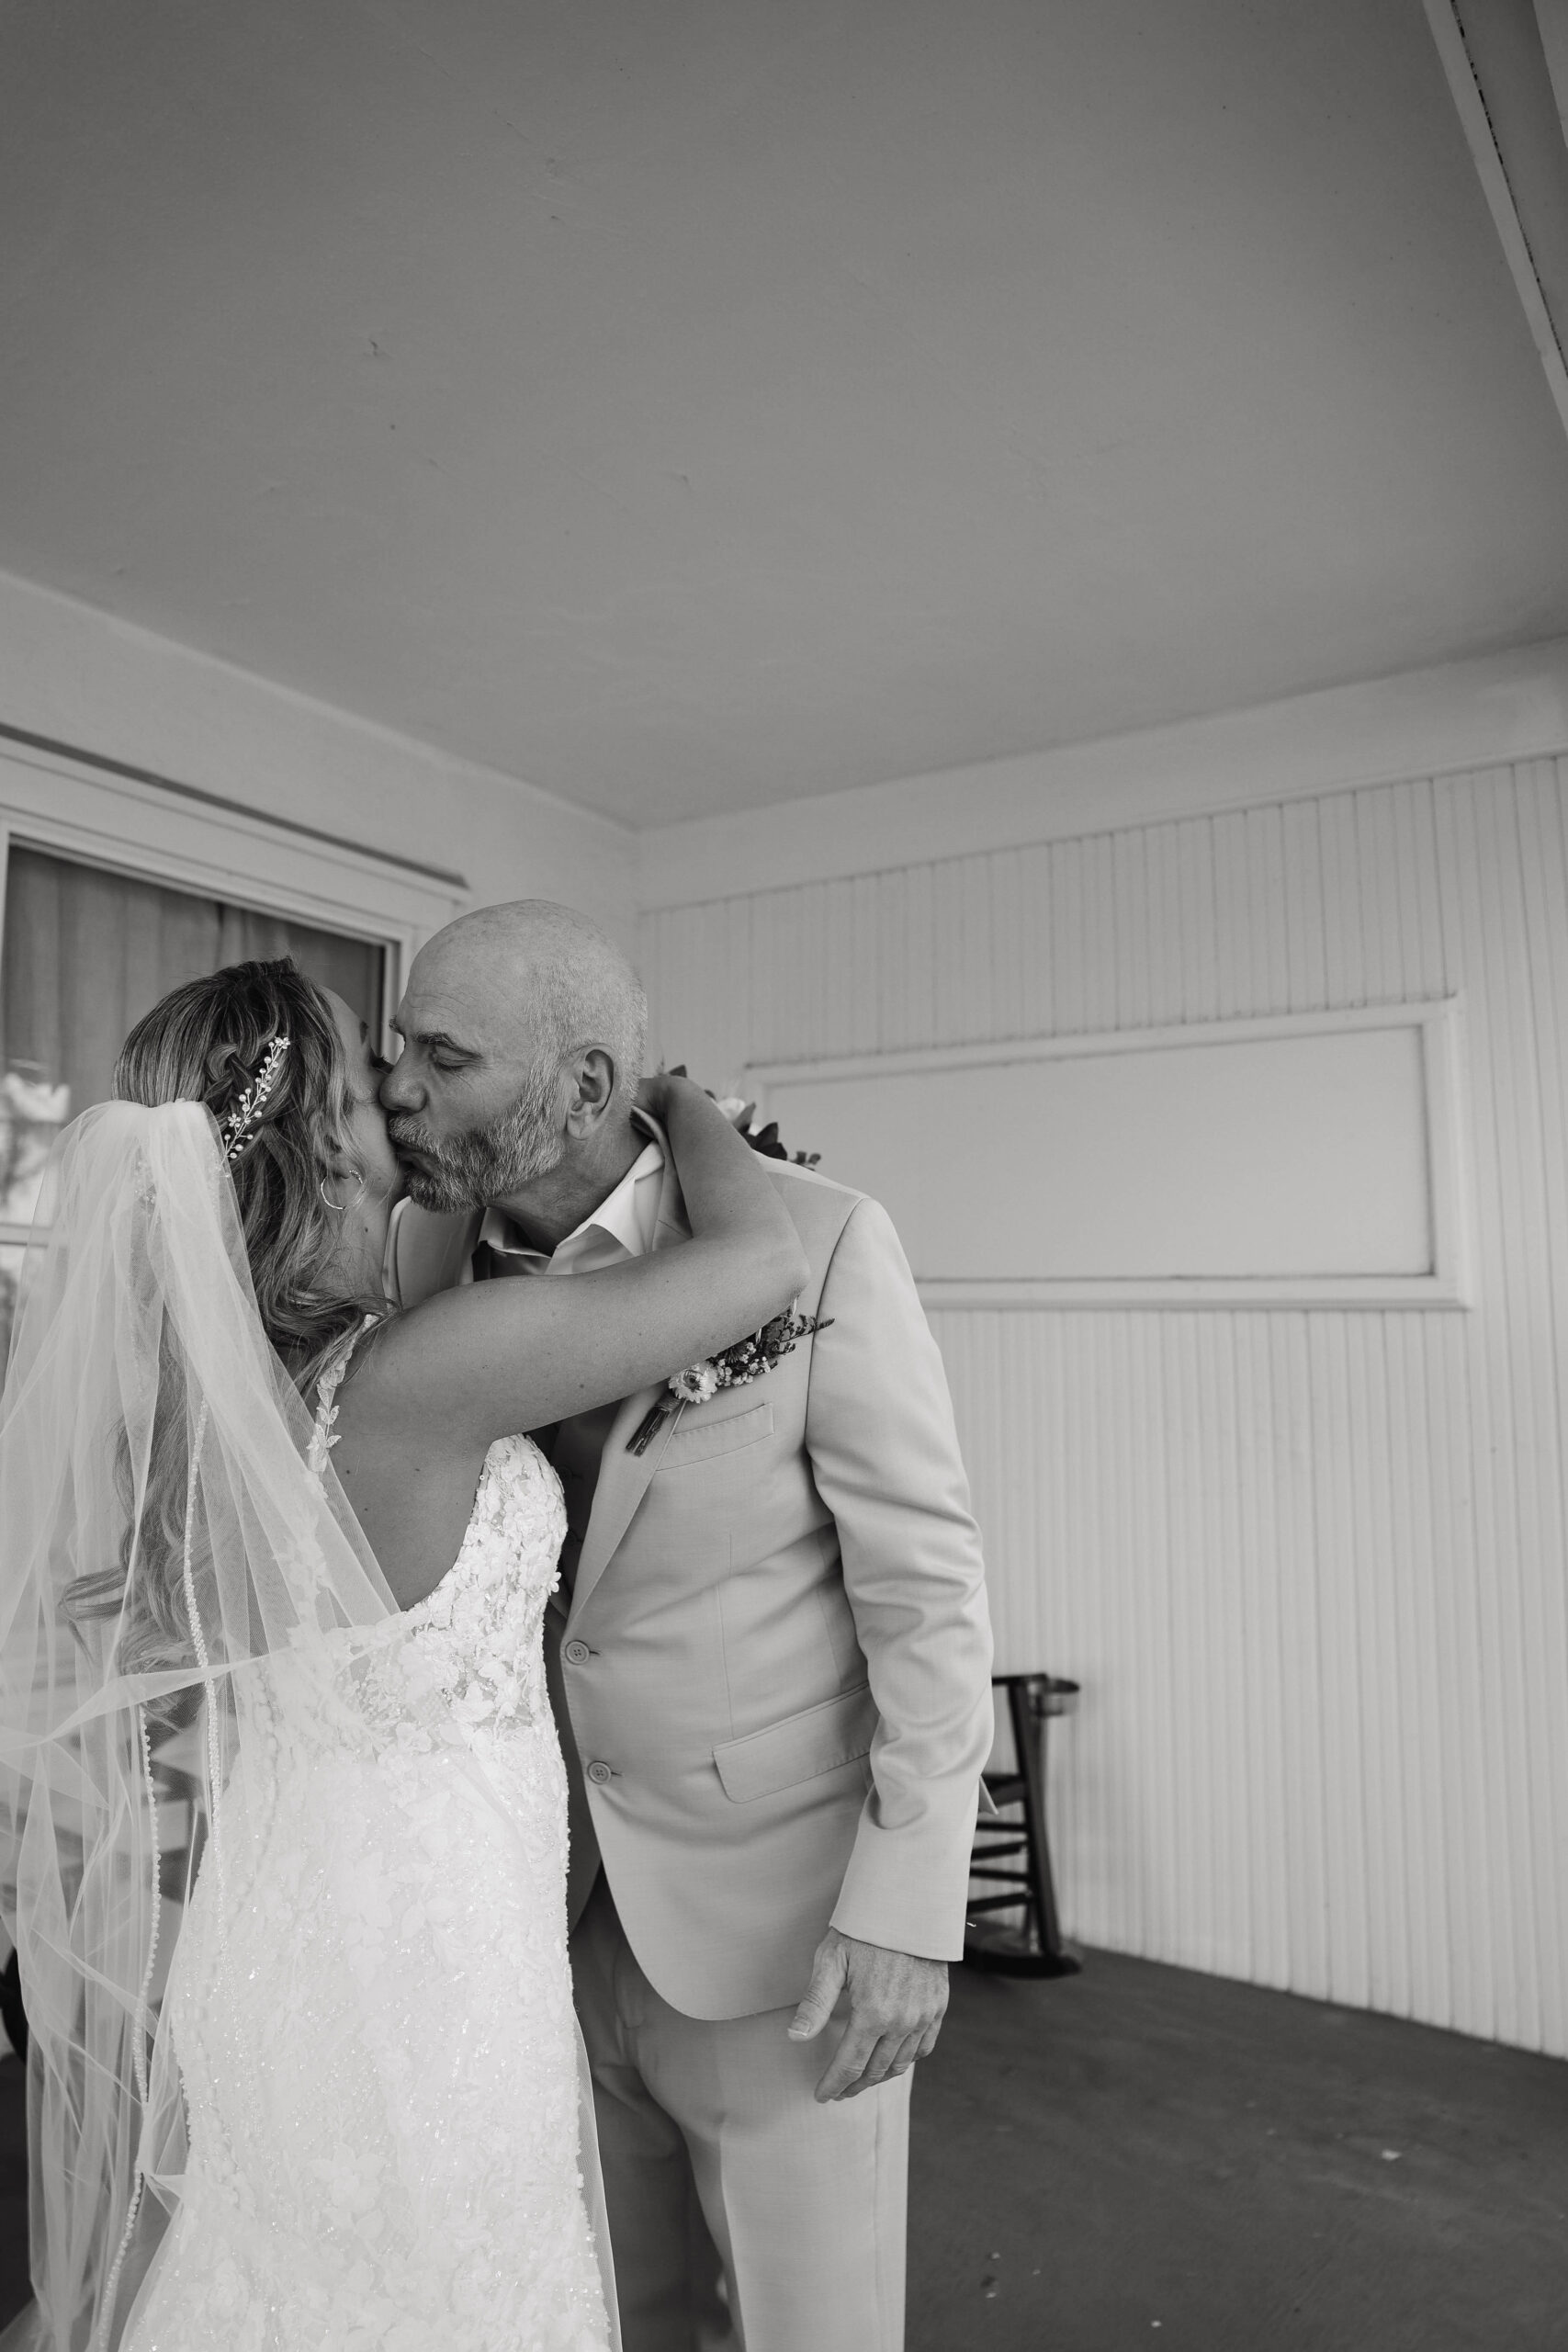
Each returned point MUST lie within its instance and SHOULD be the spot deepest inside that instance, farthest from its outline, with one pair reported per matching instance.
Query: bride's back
(290, 1074)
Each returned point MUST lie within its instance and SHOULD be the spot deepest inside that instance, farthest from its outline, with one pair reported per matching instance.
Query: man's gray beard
(490, 1163)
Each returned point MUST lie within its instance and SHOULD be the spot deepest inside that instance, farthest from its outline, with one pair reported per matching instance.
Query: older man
(770, 1666)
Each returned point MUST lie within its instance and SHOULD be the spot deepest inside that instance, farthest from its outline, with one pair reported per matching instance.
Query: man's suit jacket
(770, 1660)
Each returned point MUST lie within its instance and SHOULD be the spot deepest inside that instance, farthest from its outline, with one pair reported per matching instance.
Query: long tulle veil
(173, 1571)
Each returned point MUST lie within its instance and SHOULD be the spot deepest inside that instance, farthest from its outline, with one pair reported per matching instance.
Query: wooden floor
(1141, 2157)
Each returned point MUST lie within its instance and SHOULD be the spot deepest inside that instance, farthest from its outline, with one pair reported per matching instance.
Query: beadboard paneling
(1309, 1566)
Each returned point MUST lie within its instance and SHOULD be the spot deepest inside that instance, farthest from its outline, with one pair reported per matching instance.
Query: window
(116, 884)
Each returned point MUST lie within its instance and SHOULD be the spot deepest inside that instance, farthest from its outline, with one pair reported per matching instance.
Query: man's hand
(897, 2006)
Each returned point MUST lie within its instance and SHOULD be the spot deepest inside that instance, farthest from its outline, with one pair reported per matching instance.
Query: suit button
(599, 1773)
(577, 1652)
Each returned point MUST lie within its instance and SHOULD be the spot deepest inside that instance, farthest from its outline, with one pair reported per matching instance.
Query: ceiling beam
(1494, 53)
(1552, 20)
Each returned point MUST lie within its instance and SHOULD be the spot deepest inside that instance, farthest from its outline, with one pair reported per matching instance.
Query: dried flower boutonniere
(740, 1114)
(733, 1367)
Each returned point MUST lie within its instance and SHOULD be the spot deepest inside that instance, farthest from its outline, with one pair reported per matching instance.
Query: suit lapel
(623, 1482)
(623, 1476)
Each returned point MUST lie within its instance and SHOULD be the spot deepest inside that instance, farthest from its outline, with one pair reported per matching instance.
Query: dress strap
(327, 1382)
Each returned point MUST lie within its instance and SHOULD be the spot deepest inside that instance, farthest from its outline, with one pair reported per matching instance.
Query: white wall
(76, 675)
(1308, 1566)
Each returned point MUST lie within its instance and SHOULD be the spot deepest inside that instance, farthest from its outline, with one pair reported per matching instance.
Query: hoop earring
(341, 1208)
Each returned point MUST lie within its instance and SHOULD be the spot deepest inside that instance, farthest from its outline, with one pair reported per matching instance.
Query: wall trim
(79, 757)
(75, 676)
(1439, 1022)
(1465, 714)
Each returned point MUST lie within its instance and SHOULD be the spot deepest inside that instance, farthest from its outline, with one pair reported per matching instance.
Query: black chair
(13, 2017)
(1034, 1948)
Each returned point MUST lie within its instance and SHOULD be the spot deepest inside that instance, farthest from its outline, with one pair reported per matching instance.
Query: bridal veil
(174, 1566)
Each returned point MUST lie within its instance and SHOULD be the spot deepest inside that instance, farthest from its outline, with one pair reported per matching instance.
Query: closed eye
(443, 1051)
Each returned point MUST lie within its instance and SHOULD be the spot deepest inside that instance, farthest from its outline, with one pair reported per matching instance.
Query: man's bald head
(523, 1031)
(548, 969)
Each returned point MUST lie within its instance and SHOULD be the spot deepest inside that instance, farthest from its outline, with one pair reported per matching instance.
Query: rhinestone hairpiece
(237, 1128)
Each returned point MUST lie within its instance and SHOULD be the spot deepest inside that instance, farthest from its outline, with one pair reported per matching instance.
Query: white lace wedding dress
(375, 2029)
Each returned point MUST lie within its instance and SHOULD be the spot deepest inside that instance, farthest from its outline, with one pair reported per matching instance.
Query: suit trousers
(743, 2216)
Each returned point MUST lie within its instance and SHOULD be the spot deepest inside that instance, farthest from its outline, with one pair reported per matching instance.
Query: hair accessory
(237, 1128)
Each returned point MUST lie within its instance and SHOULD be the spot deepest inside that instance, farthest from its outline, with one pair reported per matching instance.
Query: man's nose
(400, 1089)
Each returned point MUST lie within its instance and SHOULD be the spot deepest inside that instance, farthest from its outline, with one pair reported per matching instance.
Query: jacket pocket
(801, 1748)
(700, 1440)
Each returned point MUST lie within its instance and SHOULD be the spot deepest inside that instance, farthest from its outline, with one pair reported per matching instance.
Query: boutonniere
(733, 1367)
(740, 1114)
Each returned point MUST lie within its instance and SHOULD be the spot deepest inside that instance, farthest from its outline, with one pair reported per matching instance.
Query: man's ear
(592, 1090)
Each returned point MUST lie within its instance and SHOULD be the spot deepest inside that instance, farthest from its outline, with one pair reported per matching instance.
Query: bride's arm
(492, 1358)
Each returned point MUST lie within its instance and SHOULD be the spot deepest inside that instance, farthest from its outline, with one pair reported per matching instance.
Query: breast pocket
(693, 1441)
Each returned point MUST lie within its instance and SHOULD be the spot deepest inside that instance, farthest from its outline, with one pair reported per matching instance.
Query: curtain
(86, 953)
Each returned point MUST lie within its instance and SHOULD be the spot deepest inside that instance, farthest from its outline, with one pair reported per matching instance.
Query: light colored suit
(774, 1666)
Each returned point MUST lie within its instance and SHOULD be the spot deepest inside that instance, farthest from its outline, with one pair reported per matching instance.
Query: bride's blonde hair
(206, 1043)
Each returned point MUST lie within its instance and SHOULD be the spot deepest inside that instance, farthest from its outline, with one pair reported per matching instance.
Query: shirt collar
(628, 1215)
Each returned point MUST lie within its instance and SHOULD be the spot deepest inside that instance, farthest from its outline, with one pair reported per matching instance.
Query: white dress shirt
(621, 1227)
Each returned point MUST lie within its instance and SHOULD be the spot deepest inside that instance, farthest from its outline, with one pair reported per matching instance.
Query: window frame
(51, 803)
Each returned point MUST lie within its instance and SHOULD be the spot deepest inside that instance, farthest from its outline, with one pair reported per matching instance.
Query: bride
(319, 2092)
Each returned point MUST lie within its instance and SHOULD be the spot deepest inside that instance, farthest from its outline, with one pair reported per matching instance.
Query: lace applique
(377, 2041)
(477, 1637)
(327, 1386)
